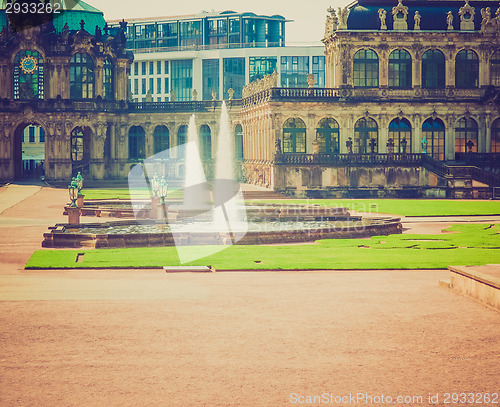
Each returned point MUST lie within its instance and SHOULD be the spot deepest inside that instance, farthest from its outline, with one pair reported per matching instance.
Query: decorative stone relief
(400, 16)
(466, 14)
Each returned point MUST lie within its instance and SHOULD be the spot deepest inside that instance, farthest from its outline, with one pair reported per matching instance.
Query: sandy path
(147, 338)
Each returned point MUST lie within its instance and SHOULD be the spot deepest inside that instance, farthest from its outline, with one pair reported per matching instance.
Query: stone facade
(395, 75)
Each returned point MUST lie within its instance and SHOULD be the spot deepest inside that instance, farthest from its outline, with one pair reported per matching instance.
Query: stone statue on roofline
(382, 15)
(417, 21)
(449, 20)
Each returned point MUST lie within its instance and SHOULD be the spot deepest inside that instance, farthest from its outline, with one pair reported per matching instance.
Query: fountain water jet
(196, 195)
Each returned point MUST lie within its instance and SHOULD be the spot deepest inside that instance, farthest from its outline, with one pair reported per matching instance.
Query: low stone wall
(60, 238)
(480, 286)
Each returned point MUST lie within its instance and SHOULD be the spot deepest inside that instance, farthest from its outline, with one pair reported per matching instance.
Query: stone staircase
(262, 195)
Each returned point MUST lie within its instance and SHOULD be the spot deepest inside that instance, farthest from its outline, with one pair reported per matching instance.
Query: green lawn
(124, 193)
(405, 207)
(471, 244)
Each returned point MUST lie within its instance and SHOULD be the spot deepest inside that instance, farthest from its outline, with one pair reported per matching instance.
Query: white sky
(309, 16)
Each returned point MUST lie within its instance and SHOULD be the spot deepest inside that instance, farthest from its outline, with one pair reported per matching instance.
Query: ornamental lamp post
(79, 184)
(73, 192)
(73, 210)
(163, 194)
(162, 190)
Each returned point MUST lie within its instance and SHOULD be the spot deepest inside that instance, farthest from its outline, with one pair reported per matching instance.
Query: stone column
(416, 134)
(383, 134)
(98, 74)
(450, 138)
(310, 132)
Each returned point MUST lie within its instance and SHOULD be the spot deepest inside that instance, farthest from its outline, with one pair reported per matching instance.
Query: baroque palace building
(406, 104)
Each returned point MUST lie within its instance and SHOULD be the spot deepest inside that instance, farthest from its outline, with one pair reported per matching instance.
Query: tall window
(327, 134)
(466, 69)
(318, 70)
(42, 135)
(365, 69)
(495, 136)
(81, 77)
(365, 136)
(294, 136)
(107, 80)
(182, 79)
(161, 139)
(260, 66)
(238, 142)
(205, 142)
(210, 78)
(182, 135)
(495, 69)
(466, 136)
(28, 75)
(433, 132)
(136, 143)
(400, 133)
(400, 69)
(294, 71)
(234, 76)
(433, 69)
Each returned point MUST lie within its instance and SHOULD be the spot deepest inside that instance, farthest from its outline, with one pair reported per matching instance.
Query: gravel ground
(147, 338)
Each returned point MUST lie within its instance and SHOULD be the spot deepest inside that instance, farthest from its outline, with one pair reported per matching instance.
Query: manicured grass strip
(473, 244)
(404, 207)
(124, 193)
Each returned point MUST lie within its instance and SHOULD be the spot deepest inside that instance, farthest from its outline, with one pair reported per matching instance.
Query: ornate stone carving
(466, 14)
(382, 15)
(332, 22)
(400, 16)
(343, 15)
(267, 82)
(487, 23)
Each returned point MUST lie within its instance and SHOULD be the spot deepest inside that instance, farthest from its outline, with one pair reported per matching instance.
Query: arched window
(466, 69)
(327, 134)
(433, 69)
(136, 143)
(400, 69)
(108, 83)
(365, 136)
(81, 77)
(238, 142)
(366, 69)
(161, 139)
(433, 133)
(400, 133)
(77, 145)
(495, 69)
(28, 75)
(495, 136)
(294, 136)
(206, 142)
(466, 136)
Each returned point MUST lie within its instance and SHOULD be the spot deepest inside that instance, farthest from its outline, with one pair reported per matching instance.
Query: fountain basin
(150, 233)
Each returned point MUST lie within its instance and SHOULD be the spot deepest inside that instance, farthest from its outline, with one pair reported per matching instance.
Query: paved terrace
(147, 338)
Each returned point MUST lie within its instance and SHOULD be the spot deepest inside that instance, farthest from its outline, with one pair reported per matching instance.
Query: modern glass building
(205, 55)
